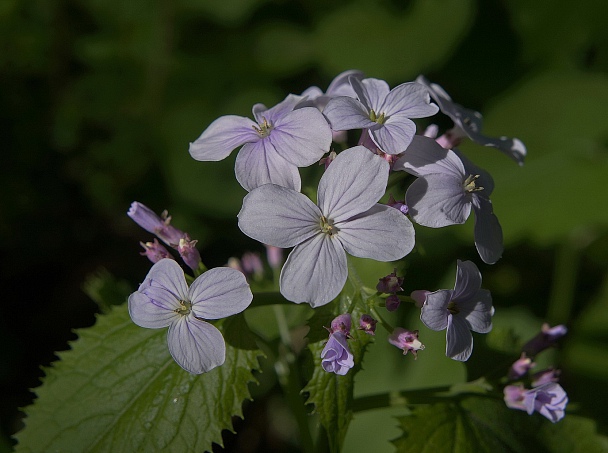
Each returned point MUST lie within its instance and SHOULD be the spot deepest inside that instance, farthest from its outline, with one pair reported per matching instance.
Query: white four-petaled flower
(347, 219)
(164, 300)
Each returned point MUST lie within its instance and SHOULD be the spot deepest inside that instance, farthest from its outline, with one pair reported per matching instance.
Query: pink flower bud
(274, 255)
(367, 324)
(407, 340)
(155, 251)
(188, 252)
(341, 323)
(520, 367)
(392, 302)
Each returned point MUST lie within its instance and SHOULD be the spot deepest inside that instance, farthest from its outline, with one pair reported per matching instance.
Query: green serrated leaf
(119, 390)
(332, 395)
(486, 425)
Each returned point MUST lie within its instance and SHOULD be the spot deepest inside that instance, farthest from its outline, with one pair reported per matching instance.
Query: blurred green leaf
(119, 390)
(484, 425)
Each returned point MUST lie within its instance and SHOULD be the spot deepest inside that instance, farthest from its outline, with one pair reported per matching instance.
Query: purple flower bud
(419, 297)
(188, 252)
(549, 400)
(252, 265)
(520, 367)
(390, 284)
(400, 205)
(547, 337)
(452, 138)
(328, 160)
(274, 255)
(158, 225)
(155, 251)
(392, 302)
(336, 356)
(341, 323)
(407, 340)
(545, 376)
(367, 324)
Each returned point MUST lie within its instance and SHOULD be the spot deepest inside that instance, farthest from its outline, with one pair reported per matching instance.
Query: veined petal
(274, 114)
(458, 338)
(258, 164)
(315, 271)
(381, 233)
(438, 200)
(488, 232)
(352, 184)
(279, 216)
(424, 156)
(434, 313)
(195, 345)
(411, 99)
(220, 292)
(395, 135)
(169, 276)
(302, 136)
(371, 92)
(345, 113)
(341, 86)
(468, 281)
(477, 311)
(222, 136)
(151, 313)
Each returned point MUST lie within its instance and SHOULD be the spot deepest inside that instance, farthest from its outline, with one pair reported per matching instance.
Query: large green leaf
(119, 390)
(485, 425)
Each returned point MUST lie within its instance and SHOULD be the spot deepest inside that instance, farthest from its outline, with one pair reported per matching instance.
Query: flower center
(469, 184)
(264, 129)
(185, 309)
(327, 226)
(453, 308)
(381, 119)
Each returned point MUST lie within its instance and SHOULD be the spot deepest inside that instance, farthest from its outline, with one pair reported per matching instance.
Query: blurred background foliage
(99, 100)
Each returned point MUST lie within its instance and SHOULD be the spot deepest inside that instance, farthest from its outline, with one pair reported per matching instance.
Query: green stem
(376, 314)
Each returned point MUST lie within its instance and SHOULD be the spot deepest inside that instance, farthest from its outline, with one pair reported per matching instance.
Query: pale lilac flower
(407, 340)
(347, 219)
(462, 309)
(549, 400)
(520, 367)
(469, 122)
(336, 356)
(546, 338)
(390, 283)
(164, 300)
(392, 302)
(155, 224)
(368, 324)
(155, 251)
(383, 113)
(447, 188)
(279, 141)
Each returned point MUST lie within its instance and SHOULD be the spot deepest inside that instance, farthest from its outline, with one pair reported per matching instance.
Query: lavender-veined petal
(220, 292)
(394, 136)
(345, 113)
(434, 312)
(488, 232)
(222, 136)
(195, 345)
(468, 280)
(149, 313)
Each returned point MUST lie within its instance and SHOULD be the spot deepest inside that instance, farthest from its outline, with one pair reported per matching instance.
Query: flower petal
(345, 113)
(459, 341)
(395, 135)
(220, 292)
(371, 92)
(352, 184)
(468, 281)
(279, 216)
(195, 345)
(411, 99)
(434, 312)
(438, 200)
(425, 156)
(488, 232)
(274, 114)
(222, 136)
(168, 276)
(477, 311)
(315, 271)
(302, 136)
(259, 163)
(381, 233)
(151, 313)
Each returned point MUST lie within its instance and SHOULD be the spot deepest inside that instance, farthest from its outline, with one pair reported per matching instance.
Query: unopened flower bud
(390, 284)
(392, 302)
(155, 251)
(328, 160)
(188, 252)
(341, 323)
(520, 367)
(367, 324)
(274, 255)
(400, 205)
(407, 340)
(547, 337)
(158, 225)
(545, 376)
(419, 297)
(252, 265)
